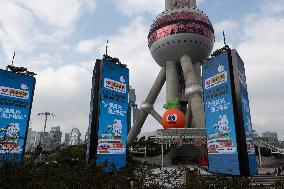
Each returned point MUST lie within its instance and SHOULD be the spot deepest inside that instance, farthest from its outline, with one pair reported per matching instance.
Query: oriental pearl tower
(179, 39)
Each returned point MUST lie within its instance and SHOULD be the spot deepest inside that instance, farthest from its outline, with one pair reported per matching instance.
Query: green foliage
(136, 175)
(71, 153)
(67, 168)
(171, 104)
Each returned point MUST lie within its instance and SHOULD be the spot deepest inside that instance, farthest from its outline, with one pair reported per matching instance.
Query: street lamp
(46, 114)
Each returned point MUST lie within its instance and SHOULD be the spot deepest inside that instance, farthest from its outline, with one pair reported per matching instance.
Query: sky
(60, 41)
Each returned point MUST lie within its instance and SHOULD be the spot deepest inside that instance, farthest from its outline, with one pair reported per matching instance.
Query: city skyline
(63, 49)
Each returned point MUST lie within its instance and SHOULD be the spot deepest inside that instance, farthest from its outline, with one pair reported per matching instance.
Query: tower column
(194, 92)
(172, 83)
(197, 69)
(168, 4)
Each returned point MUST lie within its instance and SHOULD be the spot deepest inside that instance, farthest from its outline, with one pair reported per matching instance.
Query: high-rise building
(271, 136)
(254, 134)
(57, 134)
(87, 136)
(133, 107)
(75, 136)
(46, 140)
(31, 140)
(67, 139)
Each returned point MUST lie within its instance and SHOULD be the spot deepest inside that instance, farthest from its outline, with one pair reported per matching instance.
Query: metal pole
(259, 156)
(46, 114)
(162, 155)
(45, 120)
(44, 138)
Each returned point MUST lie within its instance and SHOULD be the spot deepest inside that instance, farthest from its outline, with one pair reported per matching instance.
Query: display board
(227, 113)
(16, 96)
(245, 110)
(219, 113)
(109, 114)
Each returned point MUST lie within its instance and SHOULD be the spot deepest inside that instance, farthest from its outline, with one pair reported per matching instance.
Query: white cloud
(259, 44)
(226, 25)
(17, 28)
(274, 7)
(86, 46)
(263, 57)
(26, 24)
(43, 61)
(130, 46)
(64, 91)
(62, 14)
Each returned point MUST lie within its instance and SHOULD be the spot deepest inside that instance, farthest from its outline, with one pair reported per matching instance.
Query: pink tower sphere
(181, 31)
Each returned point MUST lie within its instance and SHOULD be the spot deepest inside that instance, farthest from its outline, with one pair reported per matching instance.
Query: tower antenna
(224, 36)
(13, 58)
(106, 47)
(7, 67)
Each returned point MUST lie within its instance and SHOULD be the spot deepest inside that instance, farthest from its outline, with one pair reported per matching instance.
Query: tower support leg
(172, 83)
(197, 69)
(147, 105)
(194, 91)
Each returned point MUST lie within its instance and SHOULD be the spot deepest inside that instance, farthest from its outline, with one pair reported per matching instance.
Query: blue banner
(113, 111)
(219, 113)
(16, 94)
(246, 115)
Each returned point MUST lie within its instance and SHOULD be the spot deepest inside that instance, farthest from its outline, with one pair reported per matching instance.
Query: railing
(273, 147)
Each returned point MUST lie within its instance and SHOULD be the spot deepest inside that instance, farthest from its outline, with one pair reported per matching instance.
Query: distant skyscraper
(132, 96)
(67, 138)
(57, 134)
(46, 140)
(133, 106)
(40, 138)
(87, 136)
(254, 134)
(31, 140)
(272, 136)
(75, 136)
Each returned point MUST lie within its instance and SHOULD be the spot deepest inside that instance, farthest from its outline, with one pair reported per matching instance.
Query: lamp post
(46, 115)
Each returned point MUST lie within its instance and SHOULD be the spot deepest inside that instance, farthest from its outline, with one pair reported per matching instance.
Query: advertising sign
(113, 115)
(219, 113)
(243, 92)
(16, 95)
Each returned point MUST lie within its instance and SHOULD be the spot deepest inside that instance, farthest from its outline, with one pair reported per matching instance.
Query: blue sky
(60, 40)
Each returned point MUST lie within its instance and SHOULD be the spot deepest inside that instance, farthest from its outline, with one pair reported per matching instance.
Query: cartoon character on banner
(223, 125)
(11, 138)
(116, 128)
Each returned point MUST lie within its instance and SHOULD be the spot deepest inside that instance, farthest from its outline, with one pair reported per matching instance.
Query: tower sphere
(181, 31)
